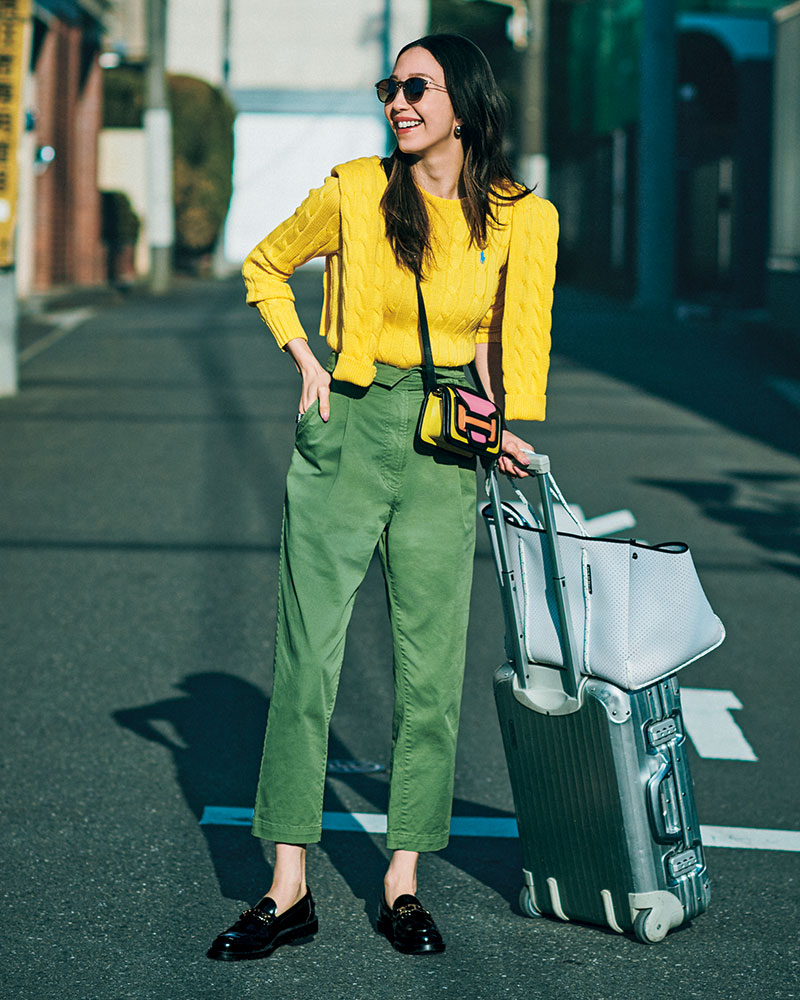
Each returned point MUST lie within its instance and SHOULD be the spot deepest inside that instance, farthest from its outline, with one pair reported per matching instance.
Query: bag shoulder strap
(425, 337)
(430, 373)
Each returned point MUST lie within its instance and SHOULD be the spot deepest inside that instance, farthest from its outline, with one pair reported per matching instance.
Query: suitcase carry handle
(657, 821)
(534, 686)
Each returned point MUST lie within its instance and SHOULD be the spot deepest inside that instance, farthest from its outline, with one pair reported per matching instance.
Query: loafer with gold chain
(259, 930)
(409, 926)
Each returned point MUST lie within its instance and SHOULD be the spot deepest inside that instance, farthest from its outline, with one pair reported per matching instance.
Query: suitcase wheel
(526, 903)
(649, 928)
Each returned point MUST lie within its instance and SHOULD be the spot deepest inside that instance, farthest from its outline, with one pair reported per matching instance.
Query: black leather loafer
(259, 931)
(409, 926)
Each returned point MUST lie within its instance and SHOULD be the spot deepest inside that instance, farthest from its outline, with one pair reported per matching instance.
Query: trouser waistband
(390, 376)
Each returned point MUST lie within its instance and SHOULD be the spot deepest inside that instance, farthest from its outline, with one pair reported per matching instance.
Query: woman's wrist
(303, 357)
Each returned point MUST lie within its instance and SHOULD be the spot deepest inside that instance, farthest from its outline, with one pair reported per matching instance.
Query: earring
(457, 131)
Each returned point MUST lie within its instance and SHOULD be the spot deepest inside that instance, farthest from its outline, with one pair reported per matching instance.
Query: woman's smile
(428, 123)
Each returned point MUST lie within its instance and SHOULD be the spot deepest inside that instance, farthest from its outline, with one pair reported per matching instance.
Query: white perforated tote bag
(638, 611)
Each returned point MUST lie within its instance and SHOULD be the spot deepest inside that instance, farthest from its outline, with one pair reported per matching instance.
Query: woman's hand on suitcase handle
(513, 459)
(316, 381)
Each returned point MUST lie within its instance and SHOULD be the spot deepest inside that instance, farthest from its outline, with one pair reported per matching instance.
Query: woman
(443, 208)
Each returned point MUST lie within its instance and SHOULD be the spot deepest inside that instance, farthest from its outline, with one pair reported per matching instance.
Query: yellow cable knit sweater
(502, 293)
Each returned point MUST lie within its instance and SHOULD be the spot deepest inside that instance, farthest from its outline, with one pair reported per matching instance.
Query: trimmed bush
(202, 151)
(202, 143)
(123, 97)
(120, 224)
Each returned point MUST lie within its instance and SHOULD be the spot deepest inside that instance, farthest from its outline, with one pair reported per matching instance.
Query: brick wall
(46, 184)
(68, 249)
(87, 251)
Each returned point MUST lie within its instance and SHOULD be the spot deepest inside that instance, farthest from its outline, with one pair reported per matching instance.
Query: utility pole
(158, 132)
(533, 160)
(657, 157)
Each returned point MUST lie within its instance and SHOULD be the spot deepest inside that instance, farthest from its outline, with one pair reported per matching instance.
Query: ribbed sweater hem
(525, 407)
(355, 370)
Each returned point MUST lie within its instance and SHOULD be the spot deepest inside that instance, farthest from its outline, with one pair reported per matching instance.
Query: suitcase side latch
(661, 732)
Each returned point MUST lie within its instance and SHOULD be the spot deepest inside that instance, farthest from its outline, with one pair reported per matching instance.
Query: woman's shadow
(214, 730)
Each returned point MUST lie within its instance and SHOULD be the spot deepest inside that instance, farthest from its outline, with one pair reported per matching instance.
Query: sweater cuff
(521, 406)
(355, 370)
(281, 317)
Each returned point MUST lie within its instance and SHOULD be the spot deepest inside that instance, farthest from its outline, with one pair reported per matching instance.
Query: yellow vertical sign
(13, 16)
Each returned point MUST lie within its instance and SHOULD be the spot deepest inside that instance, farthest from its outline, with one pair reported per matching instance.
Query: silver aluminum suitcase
(600, 779)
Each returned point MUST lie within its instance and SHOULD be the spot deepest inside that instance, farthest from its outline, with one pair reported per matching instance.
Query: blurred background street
(146, 424)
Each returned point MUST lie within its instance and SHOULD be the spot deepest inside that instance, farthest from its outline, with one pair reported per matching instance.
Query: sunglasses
(413, 89)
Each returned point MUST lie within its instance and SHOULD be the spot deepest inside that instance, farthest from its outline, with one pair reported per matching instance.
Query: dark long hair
(482, 109)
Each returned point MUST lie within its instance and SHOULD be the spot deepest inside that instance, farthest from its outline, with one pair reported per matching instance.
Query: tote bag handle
(529, 686)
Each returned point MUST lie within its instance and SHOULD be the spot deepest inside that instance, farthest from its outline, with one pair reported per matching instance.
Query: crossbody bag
(452, 417)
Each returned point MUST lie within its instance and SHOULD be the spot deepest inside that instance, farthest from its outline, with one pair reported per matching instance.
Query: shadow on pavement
(214, 730)
(762, 506)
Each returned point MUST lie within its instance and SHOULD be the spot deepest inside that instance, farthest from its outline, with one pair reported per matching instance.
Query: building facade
(59, 216)
(724, 118)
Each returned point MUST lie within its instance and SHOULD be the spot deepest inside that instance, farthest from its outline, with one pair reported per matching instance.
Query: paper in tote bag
(638, 611)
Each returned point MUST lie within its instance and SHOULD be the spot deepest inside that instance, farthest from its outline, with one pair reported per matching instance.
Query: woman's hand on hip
(316, 385)
(512, 455)
(316, 381)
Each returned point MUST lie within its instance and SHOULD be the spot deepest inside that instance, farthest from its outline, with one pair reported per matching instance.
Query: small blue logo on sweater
(483, 257)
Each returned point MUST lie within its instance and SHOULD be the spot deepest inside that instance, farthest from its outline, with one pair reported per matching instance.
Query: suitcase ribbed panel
(573, 826)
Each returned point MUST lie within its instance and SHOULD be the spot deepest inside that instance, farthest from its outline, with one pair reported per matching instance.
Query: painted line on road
(743, 836)
(711, 727)
(65, 322)
(788, 388)
(506, 826)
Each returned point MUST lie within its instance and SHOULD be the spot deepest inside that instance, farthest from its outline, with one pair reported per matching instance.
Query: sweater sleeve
(527, 308)
(313, 231)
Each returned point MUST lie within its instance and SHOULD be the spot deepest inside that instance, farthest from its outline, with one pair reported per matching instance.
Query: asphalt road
(140, 495)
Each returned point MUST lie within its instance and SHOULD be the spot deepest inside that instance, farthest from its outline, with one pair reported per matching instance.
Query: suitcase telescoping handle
(539, 466)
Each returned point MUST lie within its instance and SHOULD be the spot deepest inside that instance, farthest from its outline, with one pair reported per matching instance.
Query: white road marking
(506, 827)
(711, 727)
(788, 388)
(743, 836)
(64, 322)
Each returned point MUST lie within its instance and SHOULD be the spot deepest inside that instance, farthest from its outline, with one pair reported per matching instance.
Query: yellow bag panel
(430, 427)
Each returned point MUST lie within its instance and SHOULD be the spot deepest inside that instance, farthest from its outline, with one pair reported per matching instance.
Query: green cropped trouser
(354, 483)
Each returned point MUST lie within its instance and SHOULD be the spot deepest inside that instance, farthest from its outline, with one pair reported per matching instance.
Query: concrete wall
(122, 158)
(279, 158)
